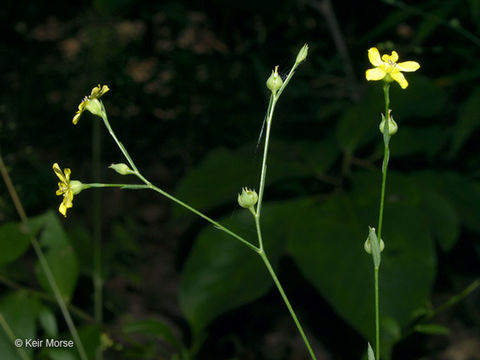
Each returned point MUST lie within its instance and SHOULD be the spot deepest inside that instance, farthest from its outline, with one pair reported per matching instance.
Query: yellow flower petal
(394, 56)
(408, 66)
(375, 74)
(59, 173)
(398, 77)
(374, 56)
(76, 118)
(62, 209)
(67, 173)
(95, 91)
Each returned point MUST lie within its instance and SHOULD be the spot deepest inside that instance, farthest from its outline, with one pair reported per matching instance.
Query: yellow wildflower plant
(91, 103)
(67, 188)
(387, 69)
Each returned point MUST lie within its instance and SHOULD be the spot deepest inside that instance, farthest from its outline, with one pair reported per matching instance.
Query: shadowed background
(188, 99)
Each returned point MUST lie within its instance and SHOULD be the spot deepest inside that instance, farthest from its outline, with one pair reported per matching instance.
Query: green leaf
(13, 242)
(48, 321)
(432, 329)
(222, 274)
(460, 191)
(326, 242)
(18, 311)
(59, 254)
(468, 122)
(442, 217)
(154, 328)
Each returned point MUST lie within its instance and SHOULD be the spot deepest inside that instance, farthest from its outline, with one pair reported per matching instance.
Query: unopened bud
(274, 82)
(122, 169)
(302, 54)
(248, 198)
(95, 106)
(368, 247)
(77, 186)
(392, 125)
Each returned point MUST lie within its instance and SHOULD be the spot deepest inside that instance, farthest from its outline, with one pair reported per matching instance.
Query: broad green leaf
(432, 329)
(13, 242)
(222, 274)
(462, 192)
(59, 254)
(425, 194)
(326, 242)
(18, 311)
(442, 216)
(153, 327)
(469, 120)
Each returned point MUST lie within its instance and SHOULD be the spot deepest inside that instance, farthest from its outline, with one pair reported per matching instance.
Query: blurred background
(188, 100)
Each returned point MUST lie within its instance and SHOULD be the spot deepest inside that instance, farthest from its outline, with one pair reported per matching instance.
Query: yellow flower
(388, 69)
(67, 188)
(91, 103)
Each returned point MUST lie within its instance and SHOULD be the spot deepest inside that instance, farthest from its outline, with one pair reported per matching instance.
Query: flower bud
(77, 186)
(122, 169)
(302, 54)
(368, 247)
(248, 198)
(274, 82)
(392, 125)
(96, 107)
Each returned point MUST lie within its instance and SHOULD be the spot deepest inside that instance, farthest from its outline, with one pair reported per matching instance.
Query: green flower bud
(96, 107)
(248, 198)
(302, 54)
(77, 186)
(392, 125)
(368, 247)
(122, 169)
(274, 82)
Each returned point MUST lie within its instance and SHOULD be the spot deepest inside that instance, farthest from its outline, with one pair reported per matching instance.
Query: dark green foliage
(188, 99)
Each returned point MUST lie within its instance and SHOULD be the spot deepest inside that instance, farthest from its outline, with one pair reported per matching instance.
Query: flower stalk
(247, 199)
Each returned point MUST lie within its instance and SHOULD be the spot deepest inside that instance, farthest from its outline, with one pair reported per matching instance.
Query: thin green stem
(259, 250)
(271, 109)
(203, 216)
(164, 193)
(120, 145)
(264, 257)
(259, 232)
(386, 156)
(122, 186)
(377, 317)
(8, 330)
(43, 262)
(97, 232)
